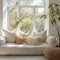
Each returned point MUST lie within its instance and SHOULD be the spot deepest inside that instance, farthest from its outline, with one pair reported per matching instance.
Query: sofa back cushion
(10, 36)
(21, 36)
(42, 34)
(20, 40)
(34, 40)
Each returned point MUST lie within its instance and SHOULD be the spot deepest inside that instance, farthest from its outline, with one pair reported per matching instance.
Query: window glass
(25, 13)
(11, 2)
(39, 23)
(32, 2)
(13, 19)
(26, 17)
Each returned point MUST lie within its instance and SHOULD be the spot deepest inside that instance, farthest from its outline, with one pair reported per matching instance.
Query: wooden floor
(22, 58)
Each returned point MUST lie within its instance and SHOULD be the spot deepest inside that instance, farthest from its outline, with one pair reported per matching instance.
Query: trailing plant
(54, 14)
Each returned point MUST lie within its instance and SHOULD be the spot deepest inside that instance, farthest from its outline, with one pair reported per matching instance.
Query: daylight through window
(24, 14)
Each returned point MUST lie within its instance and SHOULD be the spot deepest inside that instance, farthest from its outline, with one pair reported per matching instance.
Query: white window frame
(23, 6)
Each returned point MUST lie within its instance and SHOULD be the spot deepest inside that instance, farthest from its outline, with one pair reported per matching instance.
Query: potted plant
(54, 14)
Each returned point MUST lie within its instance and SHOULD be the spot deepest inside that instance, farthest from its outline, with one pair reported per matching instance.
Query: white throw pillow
(42, 34)
(10, 36)
(34, 40)
(51, 40)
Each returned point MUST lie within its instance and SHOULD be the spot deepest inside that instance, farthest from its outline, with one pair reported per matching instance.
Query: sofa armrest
(51, 41)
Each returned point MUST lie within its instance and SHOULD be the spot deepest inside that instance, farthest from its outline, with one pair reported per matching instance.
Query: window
(25, 14)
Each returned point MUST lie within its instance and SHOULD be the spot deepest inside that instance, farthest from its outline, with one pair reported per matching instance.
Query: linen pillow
(20, 40)
(21, 36)
(51, 41)
(34, 40)
(10, 36)
(42, 34)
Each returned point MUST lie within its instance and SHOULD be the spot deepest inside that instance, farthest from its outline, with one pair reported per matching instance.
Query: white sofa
(9, 47)
(25, 49)
(22, 49)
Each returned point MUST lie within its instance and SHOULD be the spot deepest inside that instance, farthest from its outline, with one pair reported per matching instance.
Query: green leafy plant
(54, 14)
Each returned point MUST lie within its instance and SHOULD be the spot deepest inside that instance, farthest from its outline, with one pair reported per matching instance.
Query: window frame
(27, 6)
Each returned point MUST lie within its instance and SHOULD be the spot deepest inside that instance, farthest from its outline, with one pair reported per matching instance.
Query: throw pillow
(34, 40)
(42, 34)
(20, 40)
(10, 36)
(21, 36)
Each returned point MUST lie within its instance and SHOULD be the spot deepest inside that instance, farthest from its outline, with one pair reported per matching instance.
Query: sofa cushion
(21, 49)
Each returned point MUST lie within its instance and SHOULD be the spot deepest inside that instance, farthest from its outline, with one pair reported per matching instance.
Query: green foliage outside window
(24, 18)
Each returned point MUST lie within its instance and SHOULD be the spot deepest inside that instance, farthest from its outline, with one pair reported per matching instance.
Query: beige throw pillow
(20, 40)
(10, 36)
(42, 34)
(34, 40)
(21, 36)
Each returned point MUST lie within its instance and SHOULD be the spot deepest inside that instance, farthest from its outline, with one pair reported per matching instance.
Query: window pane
(12, 19)
(26, 24)
(24, 13)
(39, 23)
(11, 2)
(32, 2)
(26, 2)
(26, 19)
(23, 17)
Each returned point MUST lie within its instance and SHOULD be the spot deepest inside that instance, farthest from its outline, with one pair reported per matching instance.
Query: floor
(22, 58)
